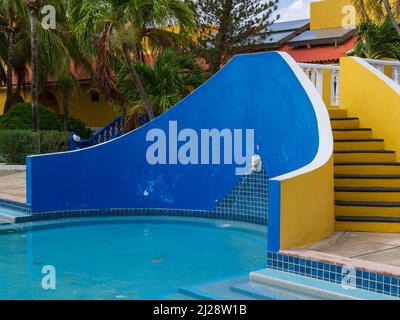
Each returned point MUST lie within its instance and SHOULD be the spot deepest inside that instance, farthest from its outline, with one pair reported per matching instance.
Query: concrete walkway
(12, 184)
(382, 248)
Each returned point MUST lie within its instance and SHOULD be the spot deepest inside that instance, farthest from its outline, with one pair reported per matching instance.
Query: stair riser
(368, 227)
(352, 134)
(354, 211)
(366, 169)
(365, 157)
(337, 113)
(11, 219)
(345, 124)
(368, 196)
(347, 146)
(7, 218)
(381, 183)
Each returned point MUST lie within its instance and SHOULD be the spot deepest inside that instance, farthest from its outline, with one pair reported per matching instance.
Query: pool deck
(373, 247)
(12, 183)
(375, 252)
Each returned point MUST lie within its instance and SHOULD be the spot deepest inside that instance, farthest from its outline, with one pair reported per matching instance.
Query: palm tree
(59, 52)
(377, 41)
(118, 26)
(391, 15)
(34, 7)
(170, 79)
(3, 58)
(380, 10)
(12, 16)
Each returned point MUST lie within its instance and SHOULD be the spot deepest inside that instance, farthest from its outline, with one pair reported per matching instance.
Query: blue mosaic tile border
(147, 212)
(372, 281)
(16, 206)
(247, 202)
(248, 198)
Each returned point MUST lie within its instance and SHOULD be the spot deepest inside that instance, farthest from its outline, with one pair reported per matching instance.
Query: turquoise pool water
(125, 258)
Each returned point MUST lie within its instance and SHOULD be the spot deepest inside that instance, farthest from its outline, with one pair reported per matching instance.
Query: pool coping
(363, 265)
(375, 277)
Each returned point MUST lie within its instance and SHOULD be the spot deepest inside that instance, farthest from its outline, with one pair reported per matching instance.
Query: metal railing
(109, 132)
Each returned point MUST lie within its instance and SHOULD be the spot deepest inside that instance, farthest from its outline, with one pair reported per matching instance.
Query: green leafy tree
(380, 10)
(224, 26)
(171, 78)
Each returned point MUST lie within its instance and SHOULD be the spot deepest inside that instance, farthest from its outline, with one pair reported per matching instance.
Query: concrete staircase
(367, 178)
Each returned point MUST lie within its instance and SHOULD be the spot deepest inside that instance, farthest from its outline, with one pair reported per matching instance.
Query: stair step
(367, 180)
(216, 290)
(368, 216)
(4, 222)
(365, 156)
(367, 167)
(257, 291)
(359, 144)
(372, 204)
(342, 123)
(308, 288)
(337, 112)
(364, 226)
(367, 209)
(12, 216)
(352, 133)
(367, 194)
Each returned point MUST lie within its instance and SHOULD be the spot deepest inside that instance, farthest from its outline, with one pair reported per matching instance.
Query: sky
(294, 9)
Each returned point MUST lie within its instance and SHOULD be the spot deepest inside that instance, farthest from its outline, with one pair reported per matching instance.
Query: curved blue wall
(256, 91)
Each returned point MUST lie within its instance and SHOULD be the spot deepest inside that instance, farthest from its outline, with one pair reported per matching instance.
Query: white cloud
(299, 9)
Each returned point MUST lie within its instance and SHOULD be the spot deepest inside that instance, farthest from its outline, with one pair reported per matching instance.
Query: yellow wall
(307, 205)
(2, 100)
(326, 94)
(93, 114)
(366, 96)
(327, 14)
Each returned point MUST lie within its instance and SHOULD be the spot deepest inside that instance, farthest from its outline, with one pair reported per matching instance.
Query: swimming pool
(125, 258)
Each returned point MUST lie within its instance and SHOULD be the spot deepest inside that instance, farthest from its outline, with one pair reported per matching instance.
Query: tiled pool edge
(217, 214)
(331, 271)
(16, 206)
(148, 212)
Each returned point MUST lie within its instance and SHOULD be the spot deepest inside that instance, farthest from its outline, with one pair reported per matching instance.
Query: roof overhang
(333, 36)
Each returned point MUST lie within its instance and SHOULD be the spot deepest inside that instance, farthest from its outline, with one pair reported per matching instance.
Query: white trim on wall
(325, 148)
(379, 74)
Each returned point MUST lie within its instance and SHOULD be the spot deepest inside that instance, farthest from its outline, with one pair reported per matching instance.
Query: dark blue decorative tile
(333, 273)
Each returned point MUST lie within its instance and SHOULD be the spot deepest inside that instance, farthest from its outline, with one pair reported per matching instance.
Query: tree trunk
(65, 109)
(222, 37)
(10, 60)
(136, 80)
(20, 79)
(391, 16)
(139, 53)
(35, 70)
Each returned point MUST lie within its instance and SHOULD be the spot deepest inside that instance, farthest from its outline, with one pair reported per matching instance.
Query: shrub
(15, 145)
(19, 117)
